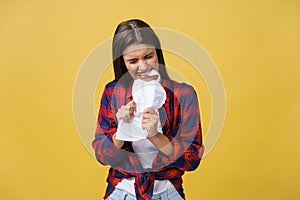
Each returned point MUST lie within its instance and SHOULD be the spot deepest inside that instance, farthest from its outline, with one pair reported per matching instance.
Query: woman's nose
(143, 66)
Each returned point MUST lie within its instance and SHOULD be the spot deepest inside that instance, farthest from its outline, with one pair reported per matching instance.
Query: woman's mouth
(142, 76)
(145, 77)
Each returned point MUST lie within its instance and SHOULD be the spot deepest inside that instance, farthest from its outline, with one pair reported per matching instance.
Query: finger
(152, 116)
(149, 110)
(145, 125)
(131, 111)
(146, 116)
(123, 109)
(145, 121)
(123, 114)
(131, 105)
(126, 120)
(119, 114)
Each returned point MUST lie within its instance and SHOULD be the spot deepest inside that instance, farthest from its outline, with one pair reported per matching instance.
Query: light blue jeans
(119, 194)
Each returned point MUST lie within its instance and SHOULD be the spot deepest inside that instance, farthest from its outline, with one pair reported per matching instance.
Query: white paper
(145, 94)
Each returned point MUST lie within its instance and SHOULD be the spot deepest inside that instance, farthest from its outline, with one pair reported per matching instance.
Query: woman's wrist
(162, 143)
(117, 143)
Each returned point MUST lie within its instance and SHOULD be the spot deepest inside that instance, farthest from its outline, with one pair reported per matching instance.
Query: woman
(134, 173)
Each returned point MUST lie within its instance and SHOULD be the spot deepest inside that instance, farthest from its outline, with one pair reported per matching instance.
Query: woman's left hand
(149, 121)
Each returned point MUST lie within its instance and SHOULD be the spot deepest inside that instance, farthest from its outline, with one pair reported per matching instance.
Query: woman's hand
(150, 121)
(126, 112)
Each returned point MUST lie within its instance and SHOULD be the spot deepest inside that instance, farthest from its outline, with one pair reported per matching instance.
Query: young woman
(150, 168)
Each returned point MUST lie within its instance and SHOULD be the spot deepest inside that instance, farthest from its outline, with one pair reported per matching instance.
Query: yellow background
(255, 45)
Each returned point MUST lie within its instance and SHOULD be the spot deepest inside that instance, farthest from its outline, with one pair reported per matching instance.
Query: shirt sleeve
(186, 137)
(105, 150)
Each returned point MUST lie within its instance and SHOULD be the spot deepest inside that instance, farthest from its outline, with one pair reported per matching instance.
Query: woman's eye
(148, 57)
(132, 61)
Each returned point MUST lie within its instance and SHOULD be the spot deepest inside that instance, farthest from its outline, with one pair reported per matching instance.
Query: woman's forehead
(136, 48)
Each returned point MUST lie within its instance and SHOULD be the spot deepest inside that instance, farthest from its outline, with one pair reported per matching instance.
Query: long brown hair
(130, 32)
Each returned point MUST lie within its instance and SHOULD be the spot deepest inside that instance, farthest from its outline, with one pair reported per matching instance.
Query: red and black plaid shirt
(180, 119)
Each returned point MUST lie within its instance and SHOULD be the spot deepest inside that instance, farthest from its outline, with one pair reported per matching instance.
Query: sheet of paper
(144, 94)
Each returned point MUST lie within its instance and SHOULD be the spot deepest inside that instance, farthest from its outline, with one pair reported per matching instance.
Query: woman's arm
(118, 143)
(149, 122)
(162, 143)
(105, 150)
(185, 135)
(108, 150)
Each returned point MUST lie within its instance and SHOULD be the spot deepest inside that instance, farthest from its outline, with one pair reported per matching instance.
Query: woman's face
(140, 59)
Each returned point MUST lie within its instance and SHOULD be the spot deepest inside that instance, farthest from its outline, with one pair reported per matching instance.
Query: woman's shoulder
(177, 87)
(111, 84)
(184, 92)
(109, 88)
(115, 88)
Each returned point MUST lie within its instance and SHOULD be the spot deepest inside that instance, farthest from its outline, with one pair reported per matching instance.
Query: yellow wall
(255, 45)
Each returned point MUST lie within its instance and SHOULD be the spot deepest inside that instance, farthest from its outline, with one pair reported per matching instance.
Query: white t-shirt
(146, 153)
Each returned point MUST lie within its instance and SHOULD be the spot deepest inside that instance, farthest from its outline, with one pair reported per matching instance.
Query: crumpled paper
(145, 94)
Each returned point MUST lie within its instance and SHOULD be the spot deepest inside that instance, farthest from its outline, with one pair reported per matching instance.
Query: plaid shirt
(180, 119)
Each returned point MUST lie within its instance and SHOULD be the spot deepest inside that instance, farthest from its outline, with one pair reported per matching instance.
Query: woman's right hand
(126, 112)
